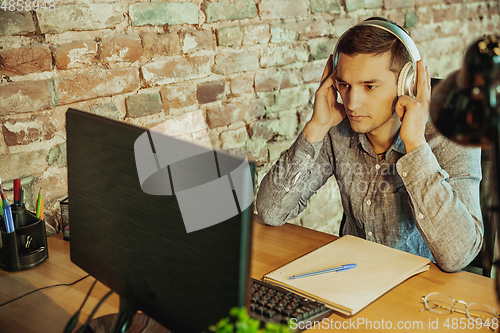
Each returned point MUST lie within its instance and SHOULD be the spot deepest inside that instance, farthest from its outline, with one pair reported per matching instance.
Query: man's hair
(373, 40)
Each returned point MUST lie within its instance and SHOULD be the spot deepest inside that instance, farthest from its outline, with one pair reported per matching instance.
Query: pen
(7, 217)
(323, 271)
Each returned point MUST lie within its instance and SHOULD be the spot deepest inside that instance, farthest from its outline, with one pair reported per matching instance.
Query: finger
(328, 69)
(329, 81)
(423, 81)
(402, 105)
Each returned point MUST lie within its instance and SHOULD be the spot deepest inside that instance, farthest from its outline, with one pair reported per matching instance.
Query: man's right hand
(327, 111)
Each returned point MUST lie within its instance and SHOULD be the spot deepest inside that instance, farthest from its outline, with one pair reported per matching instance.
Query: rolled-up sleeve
(298, 173)
(444, 197)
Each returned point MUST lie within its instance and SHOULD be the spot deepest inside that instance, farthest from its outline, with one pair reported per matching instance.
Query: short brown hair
(366, 39)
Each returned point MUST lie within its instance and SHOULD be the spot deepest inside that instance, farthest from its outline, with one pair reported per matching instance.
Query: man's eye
(370, 87)
(342, 85)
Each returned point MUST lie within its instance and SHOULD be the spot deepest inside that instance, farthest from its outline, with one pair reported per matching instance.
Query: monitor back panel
(137, 244)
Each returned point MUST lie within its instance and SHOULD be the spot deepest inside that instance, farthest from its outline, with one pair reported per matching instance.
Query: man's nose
(353, 99)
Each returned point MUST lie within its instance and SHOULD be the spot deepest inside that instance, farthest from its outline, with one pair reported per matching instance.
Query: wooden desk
(49, 310)
(275, 246)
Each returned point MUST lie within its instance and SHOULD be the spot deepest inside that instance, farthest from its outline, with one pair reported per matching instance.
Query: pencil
(39, 205)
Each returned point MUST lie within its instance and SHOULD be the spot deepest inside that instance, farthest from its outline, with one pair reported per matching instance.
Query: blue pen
(323, 271)
(7, 216)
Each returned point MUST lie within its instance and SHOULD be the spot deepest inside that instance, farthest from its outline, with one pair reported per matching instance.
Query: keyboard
(269, 303)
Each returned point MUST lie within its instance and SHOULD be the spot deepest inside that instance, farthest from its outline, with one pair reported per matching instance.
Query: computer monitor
(137, 244)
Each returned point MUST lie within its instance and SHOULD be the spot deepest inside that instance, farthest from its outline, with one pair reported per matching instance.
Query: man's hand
(414, 111)
(327, 111)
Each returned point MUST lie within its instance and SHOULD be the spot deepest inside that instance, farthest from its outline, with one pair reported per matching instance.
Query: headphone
(407, 76)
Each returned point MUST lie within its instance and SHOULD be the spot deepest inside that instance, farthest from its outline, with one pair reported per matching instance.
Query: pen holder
(26, 247)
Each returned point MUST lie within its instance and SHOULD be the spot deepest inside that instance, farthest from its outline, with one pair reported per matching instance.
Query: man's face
(368, 90)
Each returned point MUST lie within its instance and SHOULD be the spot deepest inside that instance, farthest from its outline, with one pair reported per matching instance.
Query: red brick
(208, 92)
(141, 105)
(18, 97)
(26, 131)
(449, 29)
(226, 114)
(25, 60)
(265, 129)
(267, 80)
(424, 16)
(397, 16)
(282, 9)
(121, 48)
(492, 9)
(256, 34)
(160, 45)
(424, 3)
(315, 29)
(76, 54)
(176, 96)
(422, 34)
(391, 4)
(96, 84)
(312, 73)
(462, 13)
(175, 70)
(234, 138)
(290, 78)
(242, 84)
(444, 14)
(197, 40)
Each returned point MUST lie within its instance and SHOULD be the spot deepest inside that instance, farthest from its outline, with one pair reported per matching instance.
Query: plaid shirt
(425, 202)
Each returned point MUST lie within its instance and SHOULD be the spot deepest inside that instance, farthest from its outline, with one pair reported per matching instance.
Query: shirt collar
(358, 138)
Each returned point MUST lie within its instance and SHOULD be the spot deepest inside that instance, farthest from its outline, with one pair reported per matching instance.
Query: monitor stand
(127, 321)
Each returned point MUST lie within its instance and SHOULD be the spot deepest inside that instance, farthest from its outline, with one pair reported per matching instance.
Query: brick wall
(251, 66)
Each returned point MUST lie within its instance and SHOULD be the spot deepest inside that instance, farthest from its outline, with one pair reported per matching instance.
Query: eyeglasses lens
(439, 303)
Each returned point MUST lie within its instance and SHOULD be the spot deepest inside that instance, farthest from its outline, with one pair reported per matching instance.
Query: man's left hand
(414, 111)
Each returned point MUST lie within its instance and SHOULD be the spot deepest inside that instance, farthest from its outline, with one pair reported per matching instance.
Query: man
(402, 183)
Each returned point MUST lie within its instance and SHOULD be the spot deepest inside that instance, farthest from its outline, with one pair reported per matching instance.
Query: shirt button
(377, 166)
(420, 216)
(368, 202)
(370, 233)
(405, 174)
(287, 189)
(308, 156)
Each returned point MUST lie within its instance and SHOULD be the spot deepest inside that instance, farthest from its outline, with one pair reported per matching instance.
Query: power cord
(47, 287)
(74, 319)
(83, 328)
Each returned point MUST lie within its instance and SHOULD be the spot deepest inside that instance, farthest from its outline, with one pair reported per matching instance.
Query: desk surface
(50, 309)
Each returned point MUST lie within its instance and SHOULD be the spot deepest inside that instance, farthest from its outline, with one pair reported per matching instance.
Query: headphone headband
(392, 28)
(406, 78)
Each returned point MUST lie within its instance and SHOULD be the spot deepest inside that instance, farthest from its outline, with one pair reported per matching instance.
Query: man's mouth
(356, 118)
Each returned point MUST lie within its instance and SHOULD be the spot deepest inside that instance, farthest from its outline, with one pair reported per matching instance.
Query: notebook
(379, 269)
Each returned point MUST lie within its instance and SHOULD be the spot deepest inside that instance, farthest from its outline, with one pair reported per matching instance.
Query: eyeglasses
(479, 315)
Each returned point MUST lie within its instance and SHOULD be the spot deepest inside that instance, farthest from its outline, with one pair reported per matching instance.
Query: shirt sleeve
(444, 197)
(298, 173)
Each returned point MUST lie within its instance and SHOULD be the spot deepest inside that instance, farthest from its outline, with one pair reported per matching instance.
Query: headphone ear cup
(406, 83)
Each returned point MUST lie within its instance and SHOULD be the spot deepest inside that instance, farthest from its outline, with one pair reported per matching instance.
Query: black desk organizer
(26, 247)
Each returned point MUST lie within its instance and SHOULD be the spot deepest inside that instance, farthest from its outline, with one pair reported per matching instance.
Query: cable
(74, 318)
(84, 327)
(43, 288)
